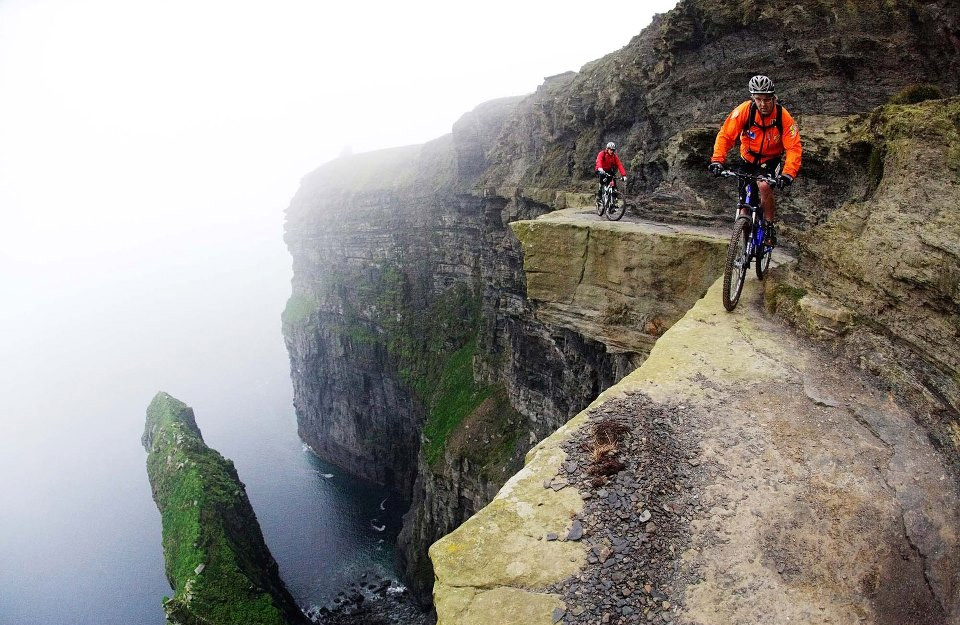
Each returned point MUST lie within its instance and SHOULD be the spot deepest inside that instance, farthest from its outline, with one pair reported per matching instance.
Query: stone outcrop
(214, 554)
(407, 274)
(818, 500)
(620, 284)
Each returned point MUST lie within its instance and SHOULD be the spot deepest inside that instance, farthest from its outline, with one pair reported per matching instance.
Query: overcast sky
(129, 120)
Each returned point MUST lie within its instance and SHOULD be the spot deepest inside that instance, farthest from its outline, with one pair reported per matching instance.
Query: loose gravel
(635, 464)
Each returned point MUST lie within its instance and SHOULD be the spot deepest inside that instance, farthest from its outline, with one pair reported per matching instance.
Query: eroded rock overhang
(619, 283)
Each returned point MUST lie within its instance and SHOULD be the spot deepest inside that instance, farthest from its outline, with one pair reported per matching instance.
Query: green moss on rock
(298, 309)
(455, 395)
(214, 553)
(914, 94)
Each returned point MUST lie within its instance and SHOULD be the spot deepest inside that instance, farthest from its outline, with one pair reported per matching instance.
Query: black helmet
(761, 84)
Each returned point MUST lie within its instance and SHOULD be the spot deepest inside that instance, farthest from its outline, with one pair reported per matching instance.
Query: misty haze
(148, 153)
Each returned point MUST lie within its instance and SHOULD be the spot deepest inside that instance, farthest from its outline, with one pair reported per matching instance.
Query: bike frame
(609, 184)
(747, 241)
(756, 246)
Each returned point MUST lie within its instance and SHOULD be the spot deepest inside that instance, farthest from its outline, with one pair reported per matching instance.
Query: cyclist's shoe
(770, 234)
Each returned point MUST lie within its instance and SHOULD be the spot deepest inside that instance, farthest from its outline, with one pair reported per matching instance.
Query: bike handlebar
(727, 173)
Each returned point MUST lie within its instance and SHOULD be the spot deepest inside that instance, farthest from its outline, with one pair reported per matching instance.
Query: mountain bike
(610, 202)
(750, 241)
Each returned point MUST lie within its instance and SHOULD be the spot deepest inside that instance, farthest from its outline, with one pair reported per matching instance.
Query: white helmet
(612, 145)
(761, 84)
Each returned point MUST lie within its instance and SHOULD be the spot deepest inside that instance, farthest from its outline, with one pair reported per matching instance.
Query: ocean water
(84, 346)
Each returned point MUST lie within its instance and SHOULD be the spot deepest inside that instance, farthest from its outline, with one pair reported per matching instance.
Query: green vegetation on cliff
(298, 309)
(455, 396)
(214, 553)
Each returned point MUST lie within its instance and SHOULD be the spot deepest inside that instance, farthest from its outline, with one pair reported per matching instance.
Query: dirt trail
(824, 502)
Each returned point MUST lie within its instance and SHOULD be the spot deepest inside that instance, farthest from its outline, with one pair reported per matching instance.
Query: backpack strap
(752, 119)
(751, 122)
(748, 122)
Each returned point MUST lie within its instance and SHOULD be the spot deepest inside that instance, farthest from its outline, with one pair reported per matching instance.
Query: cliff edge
(741, 475)
(215, 558)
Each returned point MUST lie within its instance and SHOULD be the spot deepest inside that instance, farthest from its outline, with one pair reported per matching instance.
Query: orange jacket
(754, 140)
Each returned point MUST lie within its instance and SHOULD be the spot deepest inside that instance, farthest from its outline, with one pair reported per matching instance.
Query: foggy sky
(147, 152)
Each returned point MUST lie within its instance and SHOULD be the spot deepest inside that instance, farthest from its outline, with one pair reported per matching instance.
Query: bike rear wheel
(735, 271)
(617, 208)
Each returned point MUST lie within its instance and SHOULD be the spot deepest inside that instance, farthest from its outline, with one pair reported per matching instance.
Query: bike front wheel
(600, 207)
(765, 251)
(735, 271)
(617, 208)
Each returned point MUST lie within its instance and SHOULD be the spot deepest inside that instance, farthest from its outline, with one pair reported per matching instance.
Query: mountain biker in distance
(607, 159)
(767, 132)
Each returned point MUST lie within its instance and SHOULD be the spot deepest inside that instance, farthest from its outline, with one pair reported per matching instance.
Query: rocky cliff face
(663, 96)
(408, 316)
(880, 279)
(423, 356)
(214, 554)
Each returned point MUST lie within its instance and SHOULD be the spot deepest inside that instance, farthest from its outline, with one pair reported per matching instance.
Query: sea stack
(215, 557)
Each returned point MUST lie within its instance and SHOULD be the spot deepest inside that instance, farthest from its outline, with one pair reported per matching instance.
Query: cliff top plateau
(741, 475)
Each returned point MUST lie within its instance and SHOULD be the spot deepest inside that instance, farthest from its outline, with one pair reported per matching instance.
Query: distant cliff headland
(420, 358)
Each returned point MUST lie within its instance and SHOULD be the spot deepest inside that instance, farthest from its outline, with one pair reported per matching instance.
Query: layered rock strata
(663, 96)
(214, 554)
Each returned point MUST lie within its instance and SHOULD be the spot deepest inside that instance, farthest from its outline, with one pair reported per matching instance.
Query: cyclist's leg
(747, 188)
(767, 199)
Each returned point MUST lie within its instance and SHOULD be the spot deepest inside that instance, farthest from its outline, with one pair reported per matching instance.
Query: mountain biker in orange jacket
(607, 159)
(767, 132)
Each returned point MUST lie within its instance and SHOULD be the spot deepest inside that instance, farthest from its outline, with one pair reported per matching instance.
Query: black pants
(770, 167)
(604, 178)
